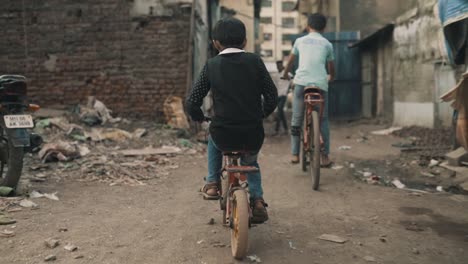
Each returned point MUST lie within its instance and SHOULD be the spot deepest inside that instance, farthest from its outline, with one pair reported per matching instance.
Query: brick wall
(71, 49)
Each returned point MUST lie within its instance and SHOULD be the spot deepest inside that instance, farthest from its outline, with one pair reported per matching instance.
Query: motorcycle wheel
(14, 166)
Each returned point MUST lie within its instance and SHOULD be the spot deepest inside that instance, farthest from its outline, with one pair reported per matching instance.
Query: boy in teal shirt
(316, 68)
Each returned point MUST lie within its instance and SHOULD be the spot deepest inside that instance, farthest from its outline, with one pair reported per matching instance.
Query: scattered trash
(112, 134)
(352, 166)
(367, 174)
(332, 238)
(52, 243)
(440, 189)
(218, 245)
(139, 133)
(174, 112)
(63, 229)
(427, 174)
(383, 239)
(369, 259)
(397, 183)
(78, 257)
(5, 191)
(433, 163)
(150, 151)
(60, 151)
(96, 113)
(199, 242)
(28, 204)
(6, 220)
(51, 196)
(344, 148)
(185, 143)
(50, 258)
(291, 245)
(386, 132)
(254, 258)
(416, 251)
(211, 222)
(7, 233)
(70, 247)
(337, 167)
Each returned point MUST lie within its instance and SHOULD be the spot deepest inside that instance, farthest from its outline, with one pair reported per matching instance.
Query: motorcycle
(15, 124)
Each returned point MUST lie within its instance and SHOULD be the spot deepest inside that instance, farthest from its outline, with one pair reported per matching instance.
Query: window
(289, 22)
(267, 53)
(266, 20)
(267, 36)
(266, 3)
(287, 39)
(288, 6)
(286, 53)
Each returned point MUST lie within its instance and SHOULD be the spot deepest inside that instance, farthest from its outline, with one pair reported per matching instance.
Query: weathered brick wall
(71, 49)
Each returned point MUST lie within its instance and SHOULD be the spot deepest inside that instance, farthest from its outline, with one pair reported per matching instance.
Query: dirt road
(166, 221)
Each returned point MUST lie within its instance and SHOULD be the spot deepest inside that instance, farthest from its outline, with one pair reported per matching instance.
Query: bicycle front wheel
(240, 224)
(314, 133)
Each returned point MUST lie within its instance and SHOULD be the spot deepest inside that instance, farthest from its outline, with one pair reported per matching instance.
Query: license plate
(18, 121)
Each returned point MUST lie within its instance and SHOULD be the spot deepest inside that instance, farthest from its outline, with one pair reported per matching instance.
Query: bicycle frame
(237, 180)
(311, 100)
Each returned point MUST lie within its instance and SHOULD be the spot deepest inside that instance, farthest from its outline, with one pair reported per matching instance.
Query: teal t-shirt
(314, 52)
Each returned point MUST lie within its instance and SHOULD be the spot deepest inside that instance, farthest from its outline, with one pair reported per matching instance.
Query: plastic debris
(333, 238)
(344, 148)
(7, 233)
(28, 204)
(254, 258)
(386, 132)
(369, 259)
(5, 190)
(51, 196)
(397, 183)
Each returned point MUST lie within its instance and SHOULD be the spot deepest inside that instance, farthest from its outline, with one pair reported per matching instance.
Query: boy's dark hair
(317, 21)
(230, 32)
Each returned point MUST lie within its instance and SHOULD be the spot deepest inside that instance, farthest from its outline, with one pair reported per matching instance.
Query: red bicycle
(234, 202)
(312, 142)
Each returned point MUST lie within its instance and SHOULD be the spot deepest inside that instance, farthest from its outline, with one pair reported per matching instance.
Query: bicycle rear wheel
(314, 133)
(240, 224)
(304, 152)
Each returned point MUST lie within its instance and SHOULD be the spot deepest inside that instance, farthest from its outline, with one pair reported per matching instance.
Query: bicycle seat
(312, 89)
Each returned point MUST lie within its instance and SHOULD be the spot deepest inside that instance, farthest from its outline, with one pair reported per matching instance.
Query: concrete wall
(119, 51)
(356, 15)
(368, 16)
(417, 39)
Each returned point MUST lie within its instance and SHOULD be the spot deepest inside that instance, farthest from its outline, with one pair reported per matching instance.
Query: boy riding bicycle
(237, 80)
(316, 68)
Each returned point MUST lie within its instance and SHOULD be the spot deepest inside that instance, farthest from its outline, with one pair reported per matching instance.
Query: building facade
(278, 22)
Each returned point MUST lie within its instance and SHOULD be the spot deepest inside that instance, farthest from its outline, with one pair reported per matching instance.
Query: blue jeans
(215, 166)
(298, 121)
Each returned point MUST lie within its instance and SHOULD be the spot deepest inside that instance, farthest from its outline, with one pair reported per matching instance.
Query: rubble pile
(88, 144)
(427, 142)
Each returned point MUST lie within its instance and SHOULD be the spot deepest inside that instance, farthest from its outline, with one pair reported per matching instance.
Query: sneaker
(259, 212)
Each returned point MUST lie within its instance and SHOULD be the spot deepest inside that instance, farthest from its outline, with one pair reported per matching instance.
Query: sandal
(327, 165)
(210, 191)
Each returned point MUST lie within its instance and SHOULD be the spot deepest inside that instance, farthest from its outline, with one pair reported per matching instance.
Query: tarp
(453, 15)
(451, 11)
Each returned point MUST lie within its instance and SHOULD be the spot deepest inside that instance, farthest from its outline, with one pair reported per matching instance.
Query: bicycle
(312, 142)
(234, 202)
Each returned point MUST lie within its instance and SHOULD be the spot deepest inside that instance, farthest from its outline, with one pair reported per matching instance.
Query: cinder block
(455, 157)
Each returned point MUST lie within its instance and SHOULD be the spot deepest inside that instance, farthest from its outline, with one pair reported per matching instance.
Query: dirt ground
(166, 221)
